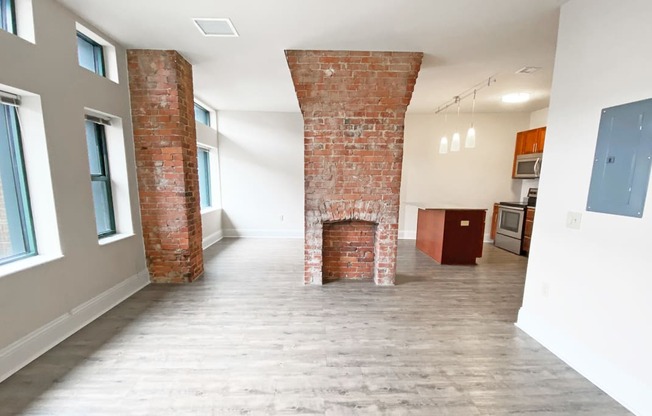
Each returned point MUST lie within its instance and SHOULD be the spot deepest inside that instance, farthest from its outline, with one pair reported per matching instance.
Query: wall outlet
(573, 220)
(282, 218)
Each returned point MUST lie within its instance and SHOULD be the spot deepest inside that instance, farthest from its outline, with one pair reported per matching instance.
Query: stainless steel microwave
(528, 166)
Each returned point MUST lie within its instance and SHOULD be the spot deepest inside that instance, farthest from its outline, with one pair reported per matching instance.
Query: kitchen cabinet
(494, 222)
(527, 234)
(528, 141)
(451, 235)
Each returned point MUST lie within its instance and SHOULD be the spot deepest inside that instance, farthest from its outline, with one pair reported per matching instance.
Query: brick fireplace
(353, 105)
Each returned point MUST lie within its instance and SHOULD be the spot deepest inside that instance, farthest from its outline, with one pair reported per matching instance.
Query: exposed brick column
(162, 107)
(353, 106)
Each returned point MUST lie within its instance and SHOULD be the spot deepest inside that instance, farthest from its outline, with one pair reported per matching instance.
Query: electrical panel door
(623, 156)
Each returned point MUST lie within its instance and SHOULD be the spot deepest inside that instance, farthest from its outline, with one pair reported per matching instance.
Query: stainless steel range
(511, 220)
(509, 229)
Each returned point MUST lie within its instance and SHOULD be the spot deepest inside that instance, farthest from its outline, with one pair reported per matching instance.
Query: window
(91, 54)
(203, 166)
(98, 159)
(16, 228)
(7, 16)
(202, 115)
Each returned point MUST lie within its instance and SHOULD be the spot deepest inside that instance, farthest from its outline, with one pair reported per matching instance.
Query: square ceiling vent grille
(216, 27)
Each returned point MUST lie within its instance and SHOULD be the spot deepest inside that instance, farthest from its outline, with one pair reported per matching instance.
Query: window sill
(114, 238)
(27, 263)
(209, 210)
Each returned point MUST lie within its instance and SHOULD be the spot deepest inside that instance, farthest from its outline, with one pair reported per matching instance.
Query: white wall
(471, 178)
(41, 305)
(261, 158)
(587, 293)
(211, 218)
(539, 118)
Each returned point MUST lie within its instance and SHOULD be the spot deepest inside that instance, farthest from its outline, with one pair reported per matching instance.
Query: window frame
(204, 111)
(104, 176)
(8, 23)
(17, 161)
(206, 153)
(98, 58)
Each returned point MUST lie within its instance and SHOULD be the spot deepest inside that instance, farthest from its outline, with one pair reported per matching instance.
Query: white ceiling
(464, 42)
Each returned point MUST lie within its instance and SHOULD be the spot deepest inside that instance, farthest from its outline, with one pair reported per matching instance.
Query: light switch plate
(574, 220)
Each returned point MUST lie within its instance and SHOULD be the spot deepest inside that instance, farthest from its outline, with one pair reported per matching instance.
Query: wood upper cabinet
(529, 141)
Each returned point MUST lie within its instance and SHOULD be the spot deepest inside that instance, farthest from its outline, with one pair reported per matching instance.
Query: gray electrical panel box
(623, 156)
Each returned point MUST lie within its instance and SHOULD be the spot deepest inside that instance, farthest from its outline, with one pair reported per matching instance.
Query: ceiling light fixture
(443, 143)
(515, 98)
(455, 142)
(222, 27)
(469, 142)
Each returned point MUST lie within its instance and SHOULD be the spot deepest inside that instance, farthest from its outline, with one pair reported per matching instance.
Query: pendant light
(469, 142)
(455, 142)
(443, 143)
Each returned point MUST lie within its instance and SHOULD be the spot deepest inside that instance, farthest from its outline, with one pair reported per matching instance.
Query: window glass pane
(94, 150)
(16, 231)
(7, 16)
(203, 167)
(103, 209)
(90, 54)
(202, 115)
(100, 179)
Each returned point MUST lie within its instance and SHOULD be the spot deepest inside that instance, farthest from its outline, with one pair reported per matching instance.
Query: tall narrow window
(204, 169)
(90, 54)
(100, 179)
(8, 16)
(202, 115)
(16, 228)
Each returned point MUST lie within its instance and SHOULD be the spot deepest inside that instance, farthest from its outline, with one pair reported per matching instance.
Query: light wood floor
(249, 338)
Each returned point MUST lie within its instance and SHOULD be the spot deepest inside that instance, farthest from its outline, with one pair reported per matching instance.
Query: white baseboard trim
(211, 239)
(487, 238)
(628, 391)
(407, 234)
(20, 353)
(250, 233)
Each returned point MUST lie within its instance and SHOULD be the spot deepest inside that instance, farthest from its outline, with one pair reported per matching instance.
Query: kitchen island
(451, 235)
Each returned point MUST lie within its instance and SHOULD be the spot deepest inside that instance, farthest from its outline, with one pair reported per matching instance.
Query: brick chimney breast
(353, 105)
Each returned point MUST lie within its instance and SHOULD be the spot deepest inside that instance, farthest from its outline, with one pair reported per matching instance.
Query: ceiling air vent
(216, 27)
(528, 70)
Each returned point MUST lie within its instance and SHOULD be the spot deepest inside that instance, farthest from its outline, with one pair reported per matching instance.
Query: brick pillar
(162, 107)
(353, 106)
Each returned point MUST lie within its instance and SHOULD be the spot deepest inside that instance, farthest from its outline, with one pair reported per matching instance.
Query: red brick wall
(353, 105)
(348, 250)
(162, 106)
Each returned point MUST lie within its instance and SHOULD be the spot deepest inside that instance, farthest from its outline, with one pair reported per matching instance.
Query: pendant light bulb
(469, 142)
(455, 142)
(443, 145)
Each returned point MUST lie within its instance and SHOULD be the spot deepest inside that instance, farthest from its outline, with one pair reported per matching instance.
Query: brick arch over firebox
(379, 213)
(353, 105)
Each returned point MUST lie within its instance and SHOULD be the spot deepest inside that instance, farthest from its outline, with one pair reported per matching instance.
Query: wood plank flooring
(249, 339)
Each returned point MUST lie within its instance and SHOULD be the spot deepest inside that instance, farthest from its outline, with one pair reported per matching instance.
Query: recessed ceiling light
(528, 70)
(517, 97)
(216, 27)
